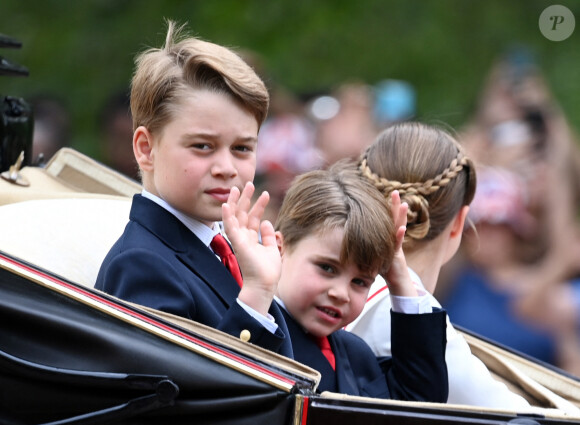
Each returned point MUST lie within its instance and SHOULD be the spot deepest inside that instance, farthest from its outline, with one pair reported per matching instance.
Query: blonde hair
(323, 200)
(166, 75)
(429, 169)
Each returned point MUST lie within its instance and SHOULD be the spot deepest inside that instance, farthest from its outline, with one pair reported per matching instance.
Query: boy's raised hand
(398, 275)
(260, 262)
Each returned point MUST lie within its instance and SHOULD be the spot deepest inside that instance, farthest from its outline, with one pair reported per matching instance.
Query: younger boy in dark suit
(196, 108)
(335, 234)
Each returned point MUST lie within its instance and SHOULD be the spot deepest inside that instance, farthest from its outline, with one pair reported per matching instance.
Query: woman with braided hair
(433, 175)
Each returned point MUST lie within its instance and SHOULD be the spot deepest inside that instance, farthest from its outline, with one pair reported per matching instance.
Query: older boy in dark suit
(197, 108)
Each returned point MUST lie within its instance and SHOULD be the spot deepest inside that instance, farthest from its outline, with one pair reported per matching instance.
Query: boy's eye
(201, 146)
(326, 267)
(244, 148)
(362, 283)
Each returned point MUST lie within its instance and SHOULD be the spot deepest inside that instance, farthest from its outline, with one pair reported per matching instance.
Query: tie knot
(323, 343)
(220, 246)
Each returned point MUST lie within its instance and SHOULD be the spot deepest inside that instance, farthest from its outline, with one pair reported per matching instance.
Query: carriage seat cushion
(68, 237)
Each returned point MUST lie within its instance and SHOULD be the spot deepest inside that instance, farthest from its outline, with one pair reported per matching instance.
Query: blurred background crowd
(340, 72)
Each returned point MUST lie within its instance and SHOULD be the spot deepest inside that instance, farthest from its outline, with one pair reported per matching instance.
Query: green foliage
(83, 51)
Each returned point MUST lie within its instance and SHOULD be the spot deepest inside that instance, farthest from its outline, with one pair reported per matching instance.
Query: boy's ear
(280, 242)
(457, 228)
(143, 148)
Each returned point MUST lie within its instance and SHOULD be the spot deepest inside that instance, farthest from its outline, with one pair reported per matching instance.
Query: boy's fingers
(226, 212)
(396, 207)
(228, 219)
(233, 199)
(400, 236)
(402, 219)
(257, 212)
(246, 197)
(395, 200)
(267, 233)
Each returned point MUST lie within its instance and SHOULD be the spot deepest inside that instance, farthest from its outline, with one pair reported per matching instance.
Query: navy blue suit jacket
(158, 262)
(416, 372)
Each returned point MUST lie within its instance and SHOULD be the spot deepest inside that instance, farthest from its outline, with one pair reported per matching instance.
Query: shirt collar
(280, 302)
(203, 232)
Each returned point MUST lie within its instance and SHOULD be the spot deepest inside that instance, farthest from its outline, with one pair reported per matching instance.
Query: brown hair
(429, 169)
(338, 197)
(164, 76)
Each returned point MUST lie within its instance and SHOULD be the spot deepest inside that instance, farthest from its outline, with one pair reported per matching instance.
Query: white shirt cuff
(267, 321)
(412, 305)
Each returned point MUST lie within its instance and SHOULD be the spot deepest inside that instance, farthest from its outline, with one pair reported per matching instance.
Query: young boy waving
(335, 234)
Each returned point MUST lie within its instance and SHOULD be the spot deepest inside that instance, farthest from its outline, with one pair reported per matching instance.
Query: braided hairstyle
(429, 169)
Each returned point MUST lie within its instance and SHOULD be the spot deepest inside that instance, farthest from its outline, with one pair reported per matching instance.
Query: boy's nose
(339, 292)
(224, 166)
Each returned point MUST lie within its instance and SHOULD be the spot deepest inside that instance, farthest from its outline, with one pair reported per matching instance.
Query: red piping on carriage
(305, 404)
(149, 321)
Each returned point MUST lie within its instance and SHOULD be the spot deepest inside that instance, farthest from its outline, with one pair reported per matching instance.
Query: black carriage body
(73, 355)
(70, 353)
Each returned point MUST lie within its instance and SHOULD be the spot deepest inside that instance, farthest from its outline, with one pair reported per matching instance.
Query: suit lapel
(204, 263)
(189, 249)
(345, 376)
(307, 351)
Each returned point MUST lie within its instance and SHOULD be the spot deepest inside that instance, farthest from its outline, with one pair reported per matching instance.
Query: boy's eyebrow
(214, 136)
(327, 258)
(331, 260)
(249, 139)
(369, 276)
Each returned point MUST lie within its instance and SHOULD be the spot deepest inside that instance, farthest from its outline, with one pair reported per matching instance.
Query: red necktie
(326, 349)
(222, 248)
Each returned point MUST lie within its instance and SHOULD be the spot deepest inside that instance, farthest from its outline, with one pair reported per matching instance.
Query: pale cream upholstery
(65, 216)
(69, 237)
